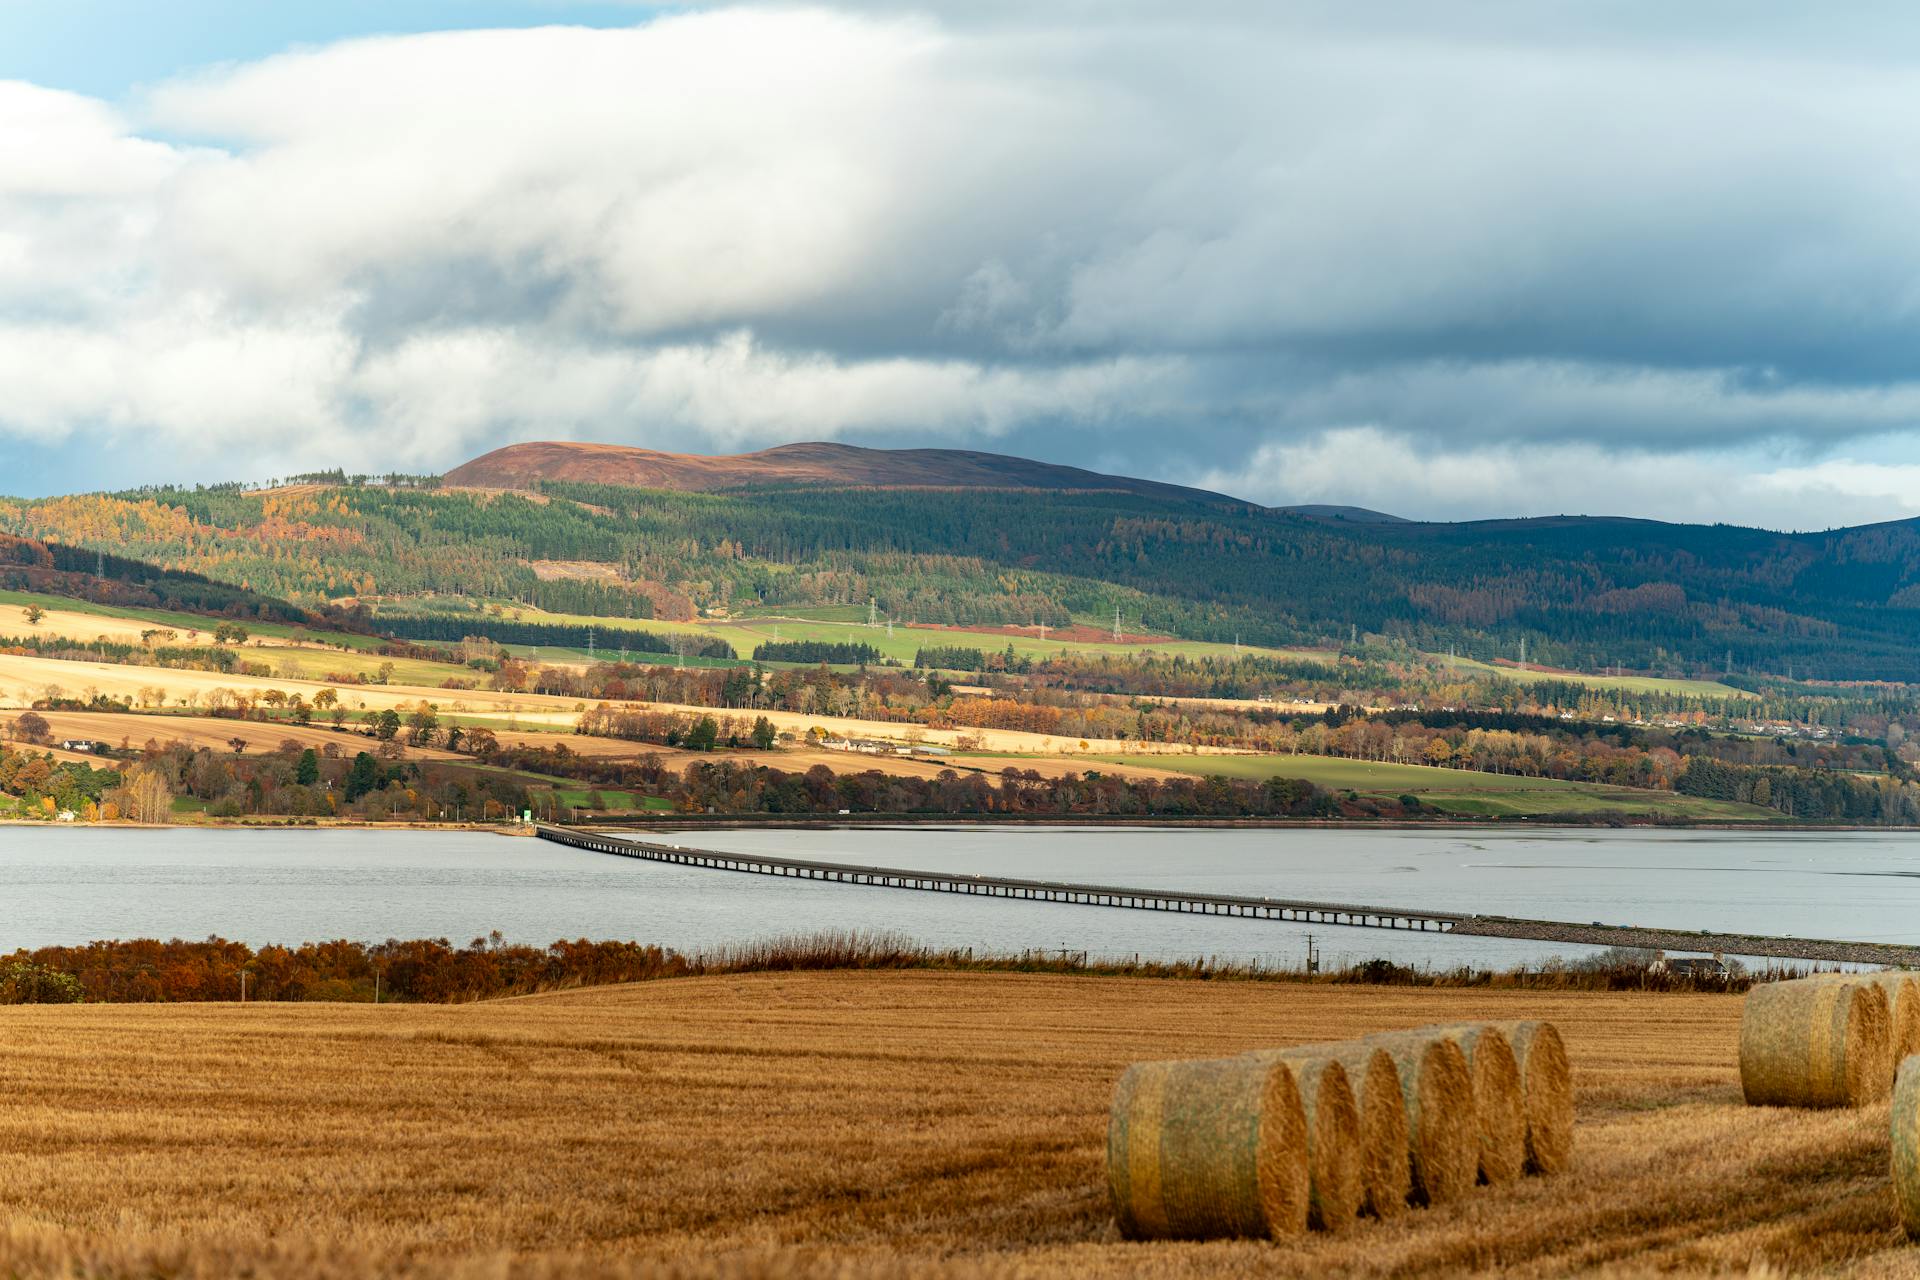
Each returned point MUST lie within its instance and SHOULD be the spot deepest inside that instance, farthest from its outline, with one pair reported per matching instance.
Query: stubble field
(844, 1124)
(24, 678)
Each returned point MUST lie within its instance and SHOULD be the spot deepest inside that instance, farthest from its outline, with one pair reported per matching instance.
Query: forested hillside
(1580, 593)
(99, 578)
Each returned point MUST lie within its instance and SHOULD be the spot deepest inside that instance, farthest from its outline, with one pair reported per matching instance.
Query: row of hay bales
(1275, 1142)
(1834, 1040)
(1841, 1040)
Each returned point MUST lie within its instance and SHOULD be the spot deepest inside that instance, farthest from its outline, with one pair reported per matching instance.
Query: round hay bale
(1210, 1148)
(1386, 1172)
(1443, 1135)
(1815, 1042)
(1334, 1189)
(1546, 1092)
(1499, 1111)
(1906, 1145)
(1903, 1010)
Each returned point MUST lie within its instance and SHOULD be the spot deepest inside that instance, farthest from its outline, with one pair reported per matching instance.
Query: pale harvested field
(844, 1124)
(24, 679)
(205, 731)
(59, 756)
(801, 759)
(266, 736)
(1009, 740)
(72, 624)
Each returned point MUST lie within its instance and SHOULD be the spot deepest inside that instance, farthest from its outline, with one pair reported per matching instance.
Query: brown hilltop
(521, 466)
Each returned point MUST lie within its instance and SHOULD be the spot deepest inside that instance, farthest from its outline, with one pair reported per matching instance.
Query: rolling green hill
(1641, 597)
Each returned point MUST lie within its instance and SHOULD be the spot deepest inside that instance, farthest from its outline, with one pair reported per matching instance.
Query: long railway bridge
(1291, 910)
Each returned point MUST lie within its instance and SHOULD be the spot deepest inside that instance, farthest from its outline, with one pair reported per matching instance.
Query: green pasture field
(185, 622)
(318, 664)
(1625, 684)
(582, 796)
(743, 634)
(1458, 791)
(548, 653)
(498, 722)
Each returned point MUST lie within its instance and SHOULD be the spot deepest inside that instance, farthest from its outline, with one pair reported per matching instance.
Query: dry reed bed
(848, 1124)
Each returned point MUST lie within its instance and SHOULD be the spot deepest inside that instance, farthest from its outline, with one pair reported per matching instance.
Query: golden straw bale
(1546, 1091)
(1443, 1134)
(1902, 989)
(1499, 1111)
(1386, 1171)
(1906, 1144)
(1208, 1148)
(1816, 1042)
(1334, 1186)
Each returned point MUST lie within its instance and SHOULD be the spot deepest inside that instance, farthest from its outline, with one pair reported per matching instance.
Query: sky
(1480, 260)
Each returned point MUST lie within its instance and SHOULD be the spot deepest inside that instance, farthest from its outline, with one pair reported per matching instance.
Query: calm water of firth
(73, 885)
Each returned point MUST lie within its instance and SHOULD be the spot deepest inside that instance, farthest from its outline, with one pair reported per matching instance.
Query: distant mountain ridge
(818, 463)
(950, 537)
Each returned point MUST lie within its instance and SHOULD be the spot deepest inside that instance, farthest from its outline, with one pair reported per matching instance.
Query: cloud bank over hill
(1510, 266)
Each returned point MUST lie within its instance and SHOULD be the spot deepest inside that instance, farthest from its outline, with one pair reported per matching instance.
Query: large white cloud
(1441, 479)
(1186, 246)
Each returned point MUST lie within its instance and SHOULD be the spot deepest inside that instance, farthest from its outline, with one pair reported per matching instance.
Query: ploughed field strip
(1220, 904)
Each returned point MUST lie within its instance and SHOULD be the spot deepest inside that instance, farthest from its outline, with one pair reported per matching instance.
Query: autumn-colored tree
(423, 722)
(143, 795)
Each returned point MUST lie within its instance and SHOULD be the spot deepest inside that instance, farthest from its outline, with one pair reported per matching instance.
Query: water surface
(72, 885)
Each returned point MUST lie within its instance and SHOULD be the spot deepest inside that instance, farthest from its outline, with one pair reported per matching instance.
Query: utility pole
(1313, 956)
(376, 986)
(243, 986)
